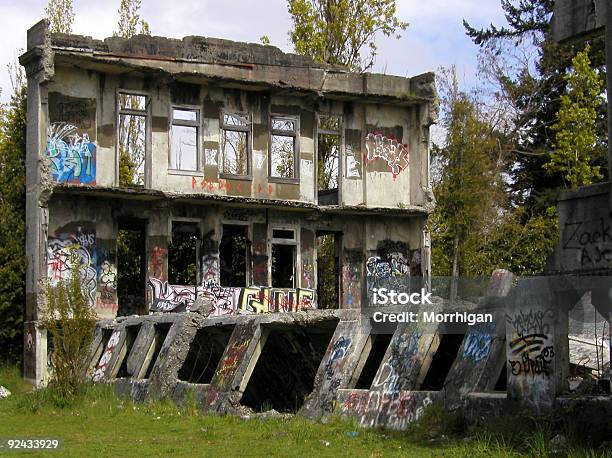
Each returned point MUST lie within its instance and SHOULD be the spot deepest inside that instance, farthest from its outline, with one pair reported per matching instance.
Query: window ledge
(284, 180)
(190, 173)
(226, 176)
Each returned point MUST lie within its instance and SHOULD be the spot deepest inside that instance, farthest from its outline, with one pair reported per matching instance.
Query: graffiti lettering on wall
(333, 371)
(229, 300)
(530, 349)
(73, 156)
(102, 365)
(73, 250)
(395, 373)
(593, 239)
(391, 410)
(107, 285)
(531, 322)
(394, 153)
(171, 298)
(477, 345)
(210, 185)
(391, 272)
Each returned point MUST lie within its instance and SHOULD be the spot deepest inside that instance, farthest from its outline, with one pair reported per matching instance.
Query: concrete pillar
(533, 343)
(158, 237)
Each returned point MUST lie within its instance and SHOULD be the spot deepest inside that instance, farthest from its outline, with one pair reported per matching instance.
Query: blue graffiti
(477, 345)
(73, 156)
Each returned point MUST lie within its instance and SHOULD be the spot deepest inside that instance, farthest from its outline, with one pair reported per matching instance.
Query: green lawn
(99, 424)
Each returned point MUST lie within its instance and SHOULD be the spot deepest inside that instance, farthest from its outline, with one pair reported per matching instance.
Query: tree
(60, 15)
(131, 128)
(532, 83)
(12, 229)
(342, 32)
(576, 136)
(468, 187)
(130, 23)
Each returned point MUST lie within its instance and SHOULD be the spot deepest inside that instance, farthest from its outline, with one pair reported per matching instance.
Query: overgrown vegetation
(98, 423)
(342, 32)
(70, 323)
(12, 229)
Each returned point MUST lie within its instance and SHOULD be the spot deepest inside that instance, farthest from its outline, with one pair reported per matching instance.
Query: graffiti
(210, 185)
(338, 352)
(223, 299)
(107, 283)
(534, 357)
(171, 298)
(255, 300)
(395, 372)
(29, 341)
(477, 345)
(530, 322)
(350, 274)
(159, 255)
(307, 273)
(388, 149)
(391, 272)
(530, 349)
(73, 251)
(353, 164)
(101, 367)
(234, 353)
(590, 238)
(306, 299)
(284, 300)
(210, 270)
(73, 156)
(333, 373)
(380, 409)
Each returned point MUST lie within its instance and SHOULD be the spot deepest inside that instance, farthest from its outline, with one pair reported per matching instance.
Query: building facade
(173, 174)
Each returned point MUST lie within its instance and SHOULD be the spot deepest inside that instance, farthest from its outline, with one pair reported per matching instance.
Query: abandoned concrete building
(164, 170)
(230, 210)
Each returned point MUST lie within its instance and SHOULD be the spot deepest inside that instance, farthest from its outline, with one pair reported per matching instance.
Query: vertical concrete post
(158, 236)
(531, 346)
(38, 63)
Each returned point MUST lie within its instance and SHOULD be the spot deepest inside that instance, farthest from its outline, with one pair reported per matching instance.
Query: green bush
(70, 323)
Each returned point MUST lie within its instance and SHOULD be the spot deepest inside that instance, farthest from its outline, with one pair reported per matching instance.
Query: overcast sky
(434, 38)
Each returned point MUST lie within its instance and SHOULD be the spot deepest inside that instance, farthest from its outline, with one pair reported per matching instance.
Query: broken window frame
(249, 249)
(197, 124)
(248, 129)
(294, 241)
(340, 134)
(146, 113)
(295, 135)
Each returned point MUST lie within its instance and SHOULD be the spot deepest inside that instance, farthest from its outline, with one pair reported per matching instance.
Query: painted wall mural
(72, 249)
(230, 300)
(394, 153)
(73, 155)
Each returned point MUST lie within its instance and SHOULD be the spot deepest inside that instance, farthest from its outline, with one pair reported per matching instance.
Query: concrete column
(532, 344)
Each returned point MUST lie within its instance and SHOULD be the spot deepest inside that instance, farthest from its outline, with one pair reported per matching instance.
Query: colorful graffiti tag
(73, 156)
(394, 153)
(171, 298)
(70, 251)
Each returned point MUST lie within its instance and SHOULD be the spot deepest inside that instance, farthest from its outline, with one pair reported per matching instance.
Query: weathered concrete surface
(576, 18)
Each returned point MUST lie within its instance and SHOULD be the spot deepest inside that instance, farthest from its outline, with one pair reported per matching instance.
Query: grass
(99, 424)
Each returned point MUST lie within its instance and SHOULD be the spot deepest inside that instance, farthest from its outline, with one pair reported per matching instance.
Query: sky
(434, 38)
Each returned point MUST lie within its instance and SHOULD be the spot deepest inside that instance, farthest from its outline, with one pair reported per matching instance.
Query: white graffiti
(390, 150)
(167, 298)
(106, 356)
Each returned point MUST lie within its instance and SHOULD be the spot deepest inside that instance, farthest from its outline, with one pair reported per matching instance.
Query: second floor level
(204, 116)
